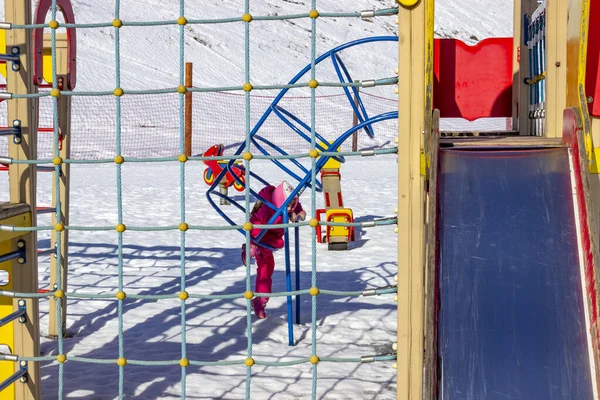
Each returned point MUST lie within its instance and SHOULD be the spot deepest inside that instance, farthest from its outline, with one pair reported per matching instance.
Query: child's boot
(259, 307)
(253, 252)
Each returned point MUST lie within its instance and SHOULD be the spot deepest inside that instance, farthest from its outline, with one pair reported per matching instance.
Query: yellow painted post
(415, 71)
(23, 183)
(64, 129)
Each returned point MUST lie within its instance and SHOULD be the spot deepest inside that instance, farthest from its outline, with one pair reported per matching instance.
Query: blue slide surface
(511, 321)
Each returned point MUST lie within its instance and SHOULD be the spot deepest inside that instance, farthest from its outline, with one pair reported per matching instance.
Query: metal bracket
(20, 375)
(20, 314)
(17, 137)
(19, 254)
(15, 131)
(13, 57)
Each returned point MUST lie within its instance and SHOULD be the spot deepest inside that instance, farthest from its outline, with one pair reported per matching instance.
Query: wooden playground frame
(418, 132)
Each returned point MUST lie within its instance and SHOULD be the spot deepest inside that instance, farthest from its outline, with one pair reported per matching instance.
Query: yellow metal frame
(16, 215)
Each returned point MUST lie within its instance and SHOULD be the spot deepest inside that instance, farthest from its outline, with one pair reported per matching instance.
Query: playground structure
(339, 221)
(20, 216)
(337, 237)
(478, 307)
(21, 265)
(214, 169)
(65, 51)
(450, 253)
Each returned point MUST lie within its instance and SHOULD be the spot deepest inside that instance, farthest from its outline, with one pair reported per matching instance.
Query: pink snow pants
(266, 265)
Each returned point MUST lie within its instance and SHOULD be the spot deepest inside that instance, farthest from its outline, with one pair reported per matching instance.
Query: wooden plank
(501, 141)
(556, 65)
(8, 210)
(64, 123)
(64, 151)
(23, 184)
(431, 367)
(415, 89)
(480, 133)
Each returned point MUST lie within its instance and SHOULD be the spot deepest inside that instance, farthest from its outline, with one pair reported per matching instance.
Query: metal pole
(288, 281)
(10, 318)
(354, 123)
(297, 272)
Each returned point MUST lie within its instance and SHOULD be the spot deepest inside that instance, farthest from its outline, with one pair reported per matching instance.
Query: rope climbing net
(182, 225)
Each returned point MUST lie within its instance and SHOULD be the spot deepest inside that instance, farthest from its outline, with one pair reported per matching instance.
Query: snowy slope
(347, 327)
(149, 59)
(278, 49)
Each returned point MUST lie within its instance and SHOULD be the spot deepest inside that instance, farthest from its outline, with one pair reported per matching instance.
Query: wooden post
(354, 123)
(556, 65)
(519, 52)
(23, 184)
(415, 88)
(188, 110)
(64, 128)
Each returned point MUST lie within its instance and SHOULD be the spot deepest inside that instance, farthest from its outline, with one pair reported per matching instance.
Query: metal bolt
(15, 50)
(23, 363)
(21, 260)
(20, 244)
(23, 379)
(21, 303)
(22, 320)
(590, 99)
(16, 67)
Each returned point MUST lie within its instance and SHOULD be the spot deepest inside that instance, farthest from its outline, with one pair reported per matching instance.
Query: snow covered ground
(347, 327)
(216, 330)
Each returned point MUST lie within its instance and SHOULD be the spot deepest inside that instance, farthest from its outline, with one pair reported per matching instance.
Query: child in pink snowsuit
(261, 214)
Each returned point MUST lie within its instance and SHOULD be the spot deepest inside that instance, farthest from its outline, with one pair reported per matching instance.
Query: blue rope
(182, 196)
(313, 178)
(247, 194)
(119, 201)
(57, 169)
(316, 165)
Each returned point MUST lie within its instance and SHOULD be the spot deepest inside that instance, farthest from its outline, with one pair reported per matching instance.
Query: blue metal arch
(303, 182)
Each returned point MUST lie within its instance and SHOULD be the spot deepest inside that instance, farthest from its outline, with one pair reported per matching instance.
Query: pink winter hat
(281, 193)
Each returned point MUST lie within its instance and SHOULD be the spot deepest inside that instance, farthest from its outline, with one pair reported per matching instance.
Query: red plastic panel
(473, 82)
(592, 75)
(38, 37)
